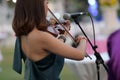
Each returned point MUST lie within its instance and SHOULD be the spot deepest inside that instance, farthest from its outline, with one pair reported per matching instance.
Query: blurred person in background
(113, 46)
(42, 53)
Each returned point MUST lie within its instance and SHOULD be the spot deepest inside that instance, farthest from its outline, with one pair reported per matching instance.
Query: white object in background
(1, 56)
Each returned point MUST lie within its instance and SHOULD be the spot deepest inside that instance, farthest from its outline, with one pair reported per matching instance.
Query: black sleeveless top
(48, 68)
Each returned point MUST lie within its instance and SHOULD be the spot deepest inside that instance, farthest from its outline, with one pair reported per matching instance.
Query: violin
(55, 28)
(62, 25)
(65, 30)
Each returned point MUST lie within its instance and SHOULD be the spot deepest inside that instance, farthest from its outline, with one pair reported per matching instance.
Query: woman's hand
(67, 24)
(80, 38)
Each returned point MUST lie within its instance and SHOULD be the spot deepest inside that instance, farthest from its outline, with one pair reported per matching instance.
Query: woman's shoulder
(39, 35)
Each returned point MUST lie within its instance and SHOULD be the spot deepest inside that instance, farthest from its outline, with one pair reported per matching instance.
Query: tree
(76, 6)
(10, 3)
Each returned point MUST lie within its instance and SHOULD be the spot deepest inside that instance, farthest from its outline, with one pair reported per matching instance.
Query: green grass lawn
(8, 74)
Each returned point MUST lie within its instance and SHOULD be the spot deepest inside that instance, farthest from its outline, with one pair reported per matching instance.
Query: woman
(42, 53)
(113, 46)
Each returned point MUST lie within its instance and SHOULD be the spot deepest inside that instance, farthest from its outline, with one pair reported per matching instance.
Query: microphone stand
(99, 59)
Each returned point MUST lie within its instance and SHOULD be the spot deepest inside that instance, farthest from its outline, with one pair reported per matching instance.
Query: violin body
(54, 28)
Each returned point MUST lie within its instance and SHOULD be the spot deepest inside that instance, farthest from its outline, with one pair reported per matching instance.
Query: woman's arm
(54, 45)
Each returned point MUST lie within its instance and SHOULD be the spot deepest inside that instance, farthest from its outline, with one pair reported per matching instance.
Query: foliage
(108, 3)
(118, 13)
(10, 3)
(76, 6)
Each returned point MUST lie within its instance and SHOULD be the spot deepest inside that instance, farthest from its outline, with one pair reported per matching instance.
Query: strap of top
(18, 56)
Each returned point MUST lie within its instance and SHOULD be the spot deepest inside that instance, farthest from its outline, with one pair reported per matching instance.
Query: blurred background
(105, 14)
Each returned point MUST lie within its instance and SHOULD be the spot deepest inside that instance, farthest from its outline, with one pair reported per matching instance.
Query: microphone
(67, 16)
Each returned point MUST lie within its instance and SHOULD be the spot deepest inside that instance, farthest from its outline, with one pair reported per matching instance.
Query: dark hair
(29, 14)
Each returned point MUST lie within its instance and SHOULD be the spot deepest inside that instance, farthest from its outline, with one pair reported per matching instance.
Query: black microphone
(67, 16)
